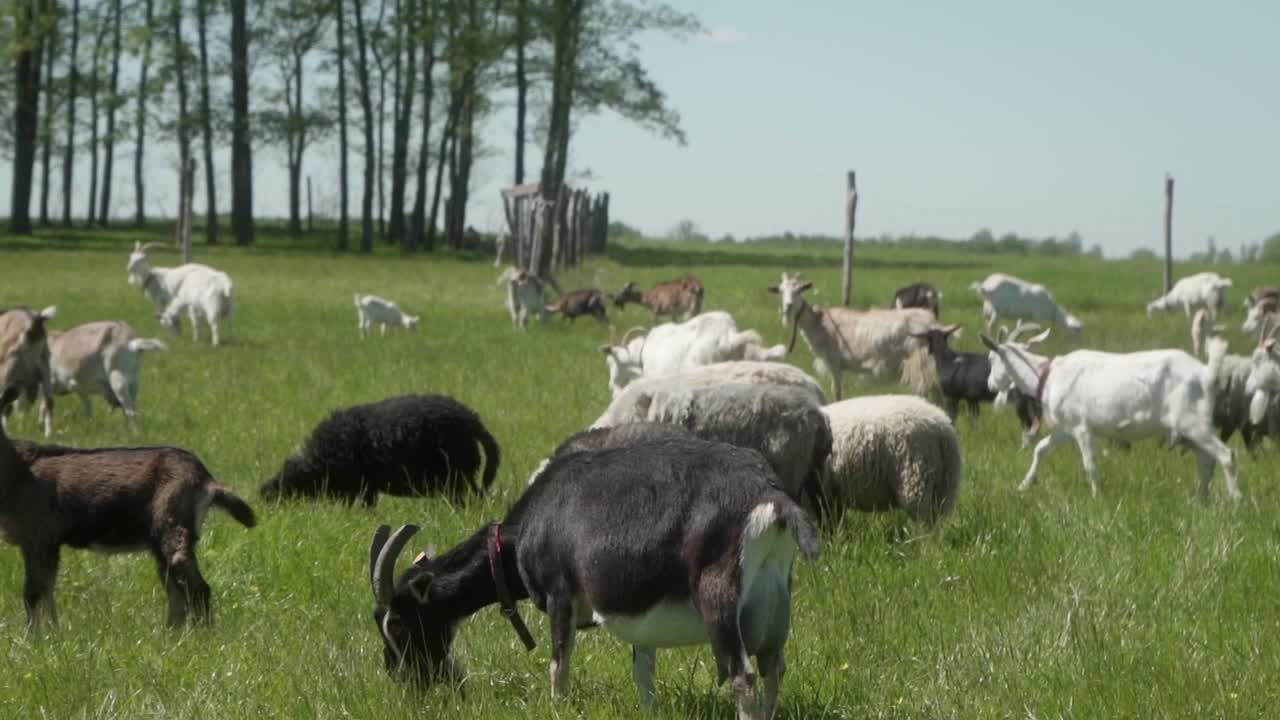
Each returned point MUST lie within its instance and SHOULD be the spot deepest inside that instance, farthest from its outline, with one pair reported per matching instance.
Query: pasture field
(1045, 604)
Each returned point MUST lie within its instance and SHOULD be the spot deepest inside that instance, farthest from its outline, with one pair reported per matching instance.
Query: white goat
(374, 310)
(1263, 312)
(1206, 288)
(204, 293)
(525, 294)
(883, 343)
(671, 347)
(159, 284)
(1264, 377)
(1123, 396)
(100, 358)
(632, 405)
(1011, 297)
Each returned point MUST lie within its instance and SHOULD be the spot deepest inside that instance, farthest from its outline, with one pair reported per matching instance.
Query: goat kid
(587, 301)
(1206, 288)
(374, 310)
(205, 294)
(1012, 297)
(525, 294)
(111, 500)
(670, 543)
(680, 298)
(100, 358)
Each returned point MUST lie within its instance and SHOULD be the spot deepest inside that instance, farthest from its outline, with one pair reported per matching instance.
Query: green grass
(1046, 604)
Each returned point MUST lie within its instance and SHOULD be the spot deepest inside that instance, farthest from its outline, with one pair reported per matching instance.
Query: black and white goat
(670, 543)
(919, 295)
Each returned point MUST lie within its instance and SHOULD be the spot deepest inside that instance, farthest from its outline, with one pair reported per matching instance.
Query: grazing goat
(24, 361)
(663, 544)
(919, 295)
(404, 446)
(205, 294)
(159, 284)
(1206, 288)
(111, 500)
(1263, 384)
(892, 451)
(525, 294)
(587, 301)
(882, 343)
(1127, 397)
(1010, 297)
(100, 358)
(374, 310)
(632, 404)
(1262, 293)
(680, 298)
(782, 422)
(1231, 400)
(604, 438)
(672, 347)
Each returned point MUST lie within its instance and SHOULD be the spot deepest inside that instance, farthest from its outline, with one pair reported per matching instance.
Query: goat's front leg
(213, 330)
(41, 565)
(1042, 448)
(835, 383)
(1084, 441)
(644, 665)
(560, 612)
(46, 405)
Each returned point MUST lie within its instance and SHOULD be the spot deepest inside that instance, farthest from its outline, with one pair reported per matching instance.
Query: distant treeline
(982, 242)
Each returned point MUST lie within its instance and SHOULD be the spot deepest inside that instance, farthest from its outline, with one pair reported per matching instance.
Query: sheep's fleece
(893, 451)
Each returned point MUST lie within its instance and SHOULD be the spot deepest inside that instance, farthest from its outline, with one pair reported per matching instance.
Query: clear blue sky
(1039, 118)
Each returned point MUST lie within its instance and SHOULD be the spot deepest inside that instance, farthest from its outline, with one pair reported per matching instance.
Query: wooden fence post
(1168, 233)
(311, 219)
(851, 211)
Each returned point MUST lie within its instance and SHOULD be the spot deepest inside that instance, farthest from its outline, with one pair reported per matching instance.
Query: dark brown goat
(110, 500)
(587, 301)
(680, 298)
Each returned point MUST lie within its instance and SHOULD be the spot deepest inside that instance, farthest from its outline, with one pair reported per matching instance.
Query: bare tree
(140, 119)
(73, 79)
(241, 151)
(407, 46)
(206, 125)
(113, 102)
(362, 75)
(31, 17)
(95, 92)
(417, 229)
(344, 221)
(46, 132)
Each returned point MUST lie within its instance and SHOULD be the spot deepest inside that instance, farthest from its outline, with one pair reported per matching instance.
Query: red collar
(1044, 375)
(499, 574)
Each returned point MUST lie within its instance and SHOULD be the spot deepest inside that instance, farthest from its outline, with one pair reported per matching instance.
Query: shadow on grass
(656, 255)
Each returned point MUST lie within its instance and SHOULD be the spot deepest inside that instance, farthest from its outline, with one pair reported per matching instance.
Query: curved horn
(626, 338)
(375, 548)
(150, 245)
(1020, 329)
(384, 568)
(1266, 329)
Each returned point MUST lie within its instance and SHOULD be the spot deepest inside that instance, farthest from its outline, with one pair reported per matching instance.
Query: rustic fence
(580, 226)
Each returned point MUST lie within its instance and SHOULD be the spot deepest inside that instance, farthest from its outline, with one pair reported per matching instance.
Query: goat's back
(1129, 395)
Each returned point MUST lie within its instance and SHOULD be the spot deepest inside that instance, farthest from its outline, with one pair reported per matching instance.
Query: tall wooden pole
(851, 211)
(1168, 233)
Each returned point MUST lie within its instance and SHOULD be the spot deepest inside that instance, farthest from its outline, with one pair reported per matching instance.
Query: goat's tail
(226, 498)
(492, 457)
(792, 518)
(145, 344)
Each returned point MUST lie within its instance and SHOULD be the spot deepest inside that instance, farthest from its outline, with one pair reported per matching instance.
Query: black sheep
(404, 446)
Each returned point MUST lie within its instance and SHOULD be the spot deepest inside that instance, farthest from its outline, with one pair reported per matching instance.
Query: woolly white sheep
(892, 451)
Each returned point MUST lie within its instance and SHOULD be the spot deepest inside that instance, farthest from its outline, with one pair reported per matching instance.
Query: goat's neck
(463, 583)
(809, 320)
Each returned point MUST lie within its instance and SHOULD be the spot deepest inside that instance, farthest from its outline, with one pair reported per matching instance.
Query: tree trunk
(344, 221)
(447, 138)
(26, 110)
(68, 159)
(296, 146)
(241, 152)
(380, 173)
(113, 101)
(417, 229)
(180, 75)
(140, 121)
(400, 134)
(206, 126)
(99, 37)
(567, 21)
(522, 86)
(46, 131)
(366, 108)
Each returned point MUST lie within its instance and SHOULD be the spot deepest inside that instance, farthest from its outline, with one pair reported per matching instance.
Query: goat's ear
(1002, 333)
(987, 341)
(773, 289)
(419, 587)
(951, 330)
(137, 245)
(606, 349)
(806, 286)
(1269, 344)
(50, 312)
